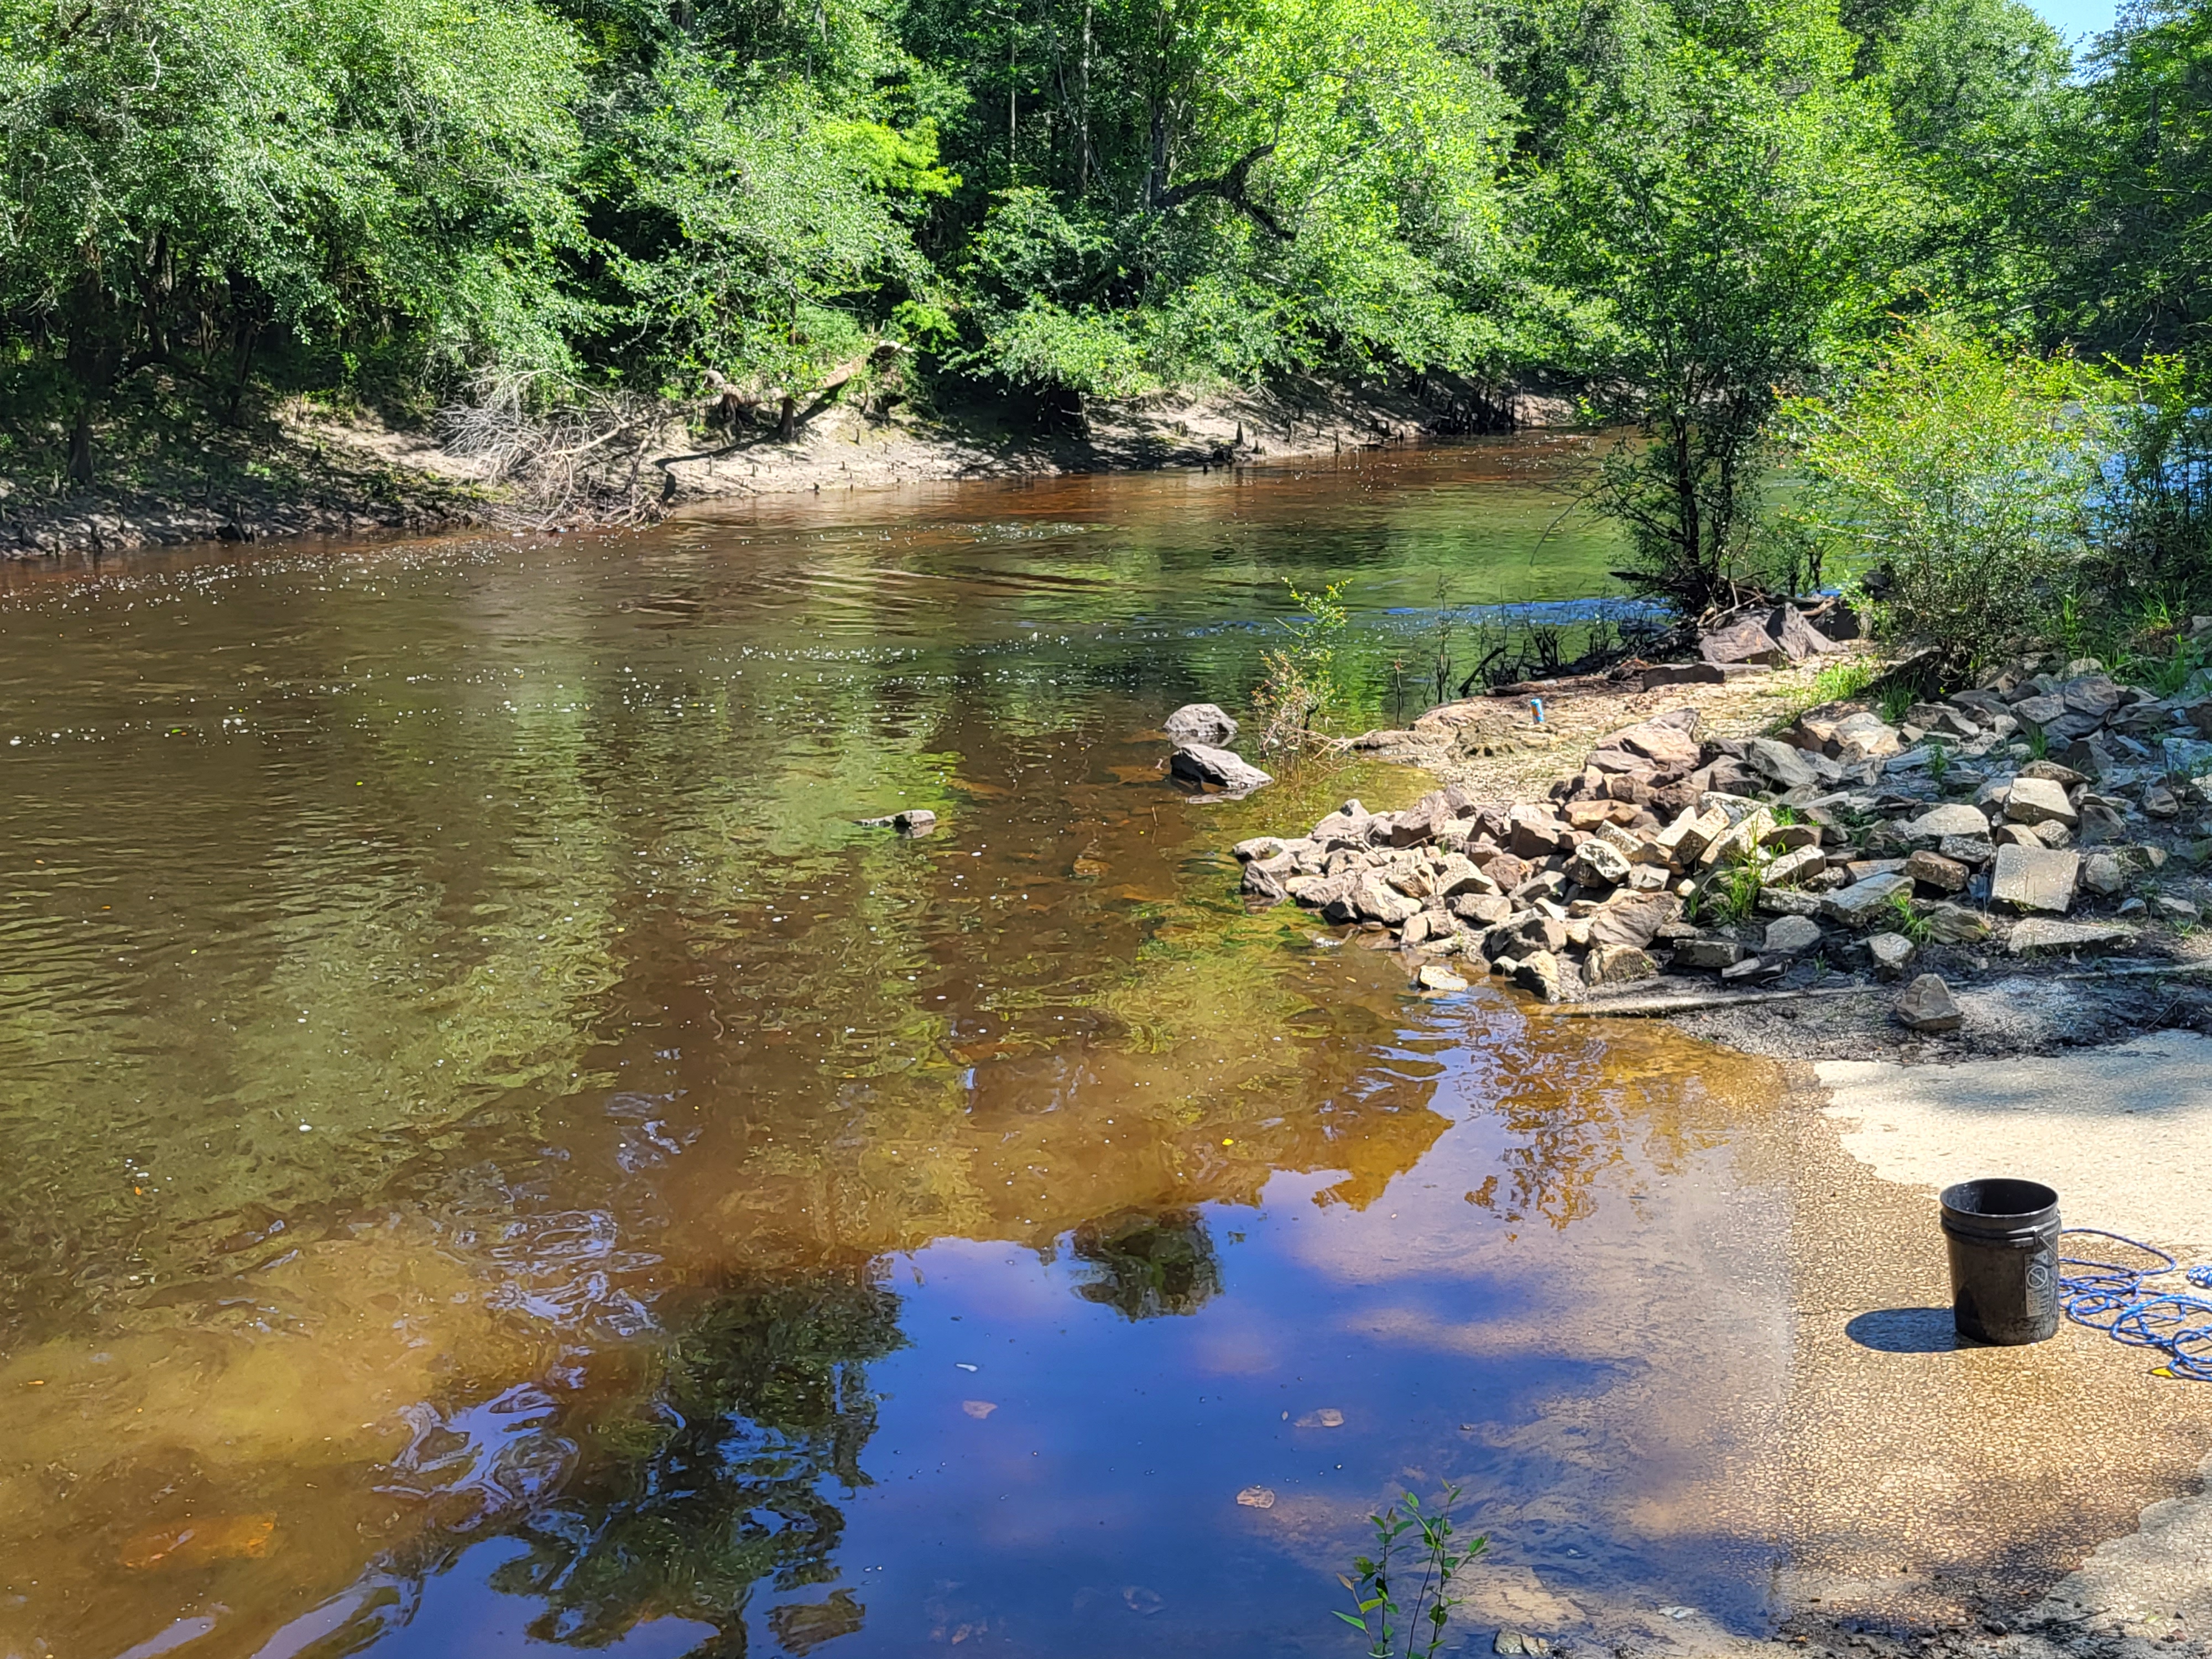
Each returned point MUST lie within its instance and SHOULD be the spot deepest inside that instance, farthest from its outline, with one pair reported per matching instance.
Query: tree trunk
(80, 455)
(787, 426)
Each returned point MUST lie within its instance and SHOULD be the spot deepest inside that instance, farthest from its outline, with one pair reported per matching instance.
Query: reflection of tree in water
(714, 1481)
(1150, 1265)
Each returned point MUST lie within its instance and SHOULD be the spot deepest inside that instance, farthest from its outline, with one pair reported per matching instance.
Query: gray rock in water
(1543, 975)
(1927, 1004)
(915, 820)
(1434, 976)
(2035, 878)
(1200, 763)
(1200, 723)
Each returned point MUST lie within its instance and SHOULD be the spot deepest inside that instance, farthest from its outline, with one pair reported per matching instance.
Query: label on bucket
(2043, 1282)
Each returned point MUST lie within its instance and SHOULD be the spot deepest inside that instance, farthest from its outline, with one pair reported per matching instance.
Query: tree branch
(1229, 187)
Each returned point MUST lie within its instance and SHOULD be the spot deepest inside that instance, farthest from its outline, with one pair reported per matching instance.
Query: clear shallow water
(497, 1159)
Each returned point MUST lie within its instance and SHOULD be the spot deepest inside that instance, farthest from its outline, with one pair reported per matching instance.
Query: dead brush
(565, 452)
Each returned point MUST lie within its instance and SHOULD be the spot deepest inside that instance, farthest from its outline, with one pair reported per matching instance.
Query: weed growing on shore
(1939, 762)
(1304, 684)
(1896, 698)
(1905, 919)
(2039, 742)
(1839, 682)
(1431, 1555)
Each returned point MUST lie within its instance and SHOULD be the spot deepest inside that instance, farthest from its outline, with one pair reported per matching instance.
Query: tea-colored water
(496, 1157)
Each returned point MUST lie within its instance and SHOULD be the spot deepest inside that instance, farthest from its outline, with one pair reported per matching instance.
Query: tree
(1962, 470)
(1722, 191)
(189, 177)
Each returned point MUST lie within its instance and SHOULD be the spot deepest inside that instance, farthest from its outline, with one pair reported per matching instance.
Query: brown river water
(495, 1160)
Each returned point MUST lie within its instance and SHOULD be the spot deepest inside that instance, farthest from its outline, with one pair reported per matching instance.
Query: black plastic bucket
(2003, 1237)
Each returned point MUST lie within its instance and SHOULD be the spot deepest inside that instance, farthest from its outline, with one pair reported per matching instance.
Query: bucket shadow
(1908, 1330)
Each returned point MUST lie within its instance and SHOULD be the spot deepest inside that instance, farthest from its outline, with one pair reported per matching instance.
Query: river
(497, 1159)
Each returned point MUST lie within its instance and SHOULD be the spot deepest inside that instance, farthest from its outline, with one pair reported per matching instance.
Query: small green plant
(1939, 761)
(1302, 684)
(1896, 698)
(1839, 682)
(2039, 742)
(1431, 1554)
(1905, 919)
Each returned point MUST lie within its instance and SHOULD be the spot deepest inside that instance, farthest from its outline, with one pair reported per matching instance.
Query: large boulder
(1864, 902)
(1215, 769)
(1200, 723)
(1747, 640)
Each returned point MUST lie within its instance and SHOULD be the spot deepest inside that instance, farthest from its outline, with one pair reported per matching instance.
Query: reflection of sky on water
(670, 1144)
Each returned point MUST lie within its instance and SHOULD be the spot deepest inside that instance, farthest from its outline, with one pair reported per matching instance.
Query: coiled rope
(2120, 1301)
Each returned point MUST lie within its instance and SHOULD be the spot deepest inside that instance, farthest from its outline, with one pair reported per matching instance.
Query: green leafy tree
(1723, 191)
(189, 180)
(1961, 470)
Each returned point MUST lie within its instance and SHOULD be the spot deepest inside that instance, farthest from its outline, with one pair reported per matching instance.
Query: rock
(1435, 976)
(1946, 874)
(1485, 909)
(1974, 850)
(1708, 953)
(2035, 878)
(1683, 673)
(1787, 902)
(1787, 766)
(2015, 835)
(1259, 847)
(1376, 900)
(1736, 971)
(1792, 837)
(1536, 833)
(2179, 910)
(1665, 741)
(1262, 882)
(2103, 874)
(1507, 871)
(1864, 737)
(915, 820)
(1543, 974)
(2093, 696)
(1218, 768)
(1955, 819)
(1927, 1004)
(1955, 924)
(1681, 844)
(1200, 723)
(1792, 867)
(2040, 933)
(1733, 843)
(1742, 641)
(1891, 953)
(1790, 936)
(1632, 922)
(2040, 713)
(1617, 964)
(1597, 864)
(1457, 874)
(1798, 638)
(1864, 902)
(2040, 800)
(1347, 826)
(2161, 802)
(2052, 833)
(1415, 930)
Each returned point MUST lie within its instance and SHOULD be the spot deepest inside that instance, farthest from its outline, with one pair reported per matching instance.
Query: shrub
(1963, 470)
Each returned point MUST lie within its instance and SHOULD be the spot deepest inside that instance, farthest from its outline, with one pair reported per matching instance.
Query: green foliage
(1905, 919)
(1304, 682)
(193, 181)
(1722, 193)
(1956, 472)
(1434, 1560)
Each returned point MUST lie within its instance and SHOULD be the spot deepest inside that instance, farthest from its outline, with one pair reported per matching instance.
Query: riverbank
(1781, 875)
(307, 469)
(1572, 855)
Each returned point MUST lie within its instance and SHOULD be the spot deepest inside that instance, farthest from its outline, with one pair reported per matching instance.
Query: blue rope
(2117, 1299)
